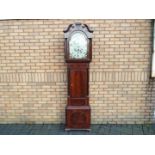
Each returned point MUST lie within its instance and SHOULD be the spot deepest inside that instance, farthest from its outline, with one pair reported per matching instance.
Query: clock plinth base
(71, 129)
(77, 117)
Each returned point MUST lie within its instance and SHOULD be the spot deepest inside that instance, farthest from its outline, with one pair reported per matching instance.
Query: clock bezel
(68, 50)
(69, 40)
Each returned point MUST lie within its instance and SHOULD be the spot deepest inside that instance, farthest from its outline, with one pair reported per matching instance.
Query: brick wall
(33, 86)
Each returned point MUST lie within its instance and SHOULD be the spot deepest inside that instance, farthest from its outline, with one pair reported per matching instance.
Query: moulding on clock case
(78, 27)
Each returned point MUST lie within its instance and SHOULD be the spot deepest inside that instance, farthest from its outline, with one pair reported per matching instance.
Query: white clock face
(78, 46)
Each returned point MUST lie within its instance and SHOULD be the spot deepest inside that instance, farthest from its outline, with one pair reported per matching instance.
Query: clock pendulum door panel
(78, 85)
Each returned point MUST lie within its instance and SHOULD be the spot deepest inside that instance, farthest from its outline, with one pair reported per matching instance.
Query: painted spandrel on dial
(78, 46)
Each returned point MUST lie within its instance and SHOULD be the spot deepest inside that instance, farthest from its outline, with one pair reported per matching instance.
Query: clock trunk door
(78, 85)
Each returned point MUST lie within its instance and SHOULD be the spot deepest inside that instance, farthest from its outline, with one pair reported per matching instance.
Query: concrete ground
(58, 129)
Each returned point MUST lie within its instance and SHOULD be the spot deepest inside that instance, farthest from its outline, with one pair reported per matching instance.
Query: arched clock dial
(78, 46)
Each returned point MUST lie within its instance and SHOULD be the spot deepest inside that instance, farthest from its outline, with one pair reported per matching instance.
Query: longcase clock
(78, 54)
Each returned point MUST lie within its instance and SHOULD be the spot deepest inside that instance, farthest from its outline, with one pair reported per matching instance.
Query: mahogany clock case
(78, 111)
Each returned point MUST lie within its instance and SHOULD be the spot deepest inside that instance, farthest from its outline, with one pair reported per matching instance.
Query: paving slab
(137, 130)
(104, 129)
(59, 129)
(148, 129)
